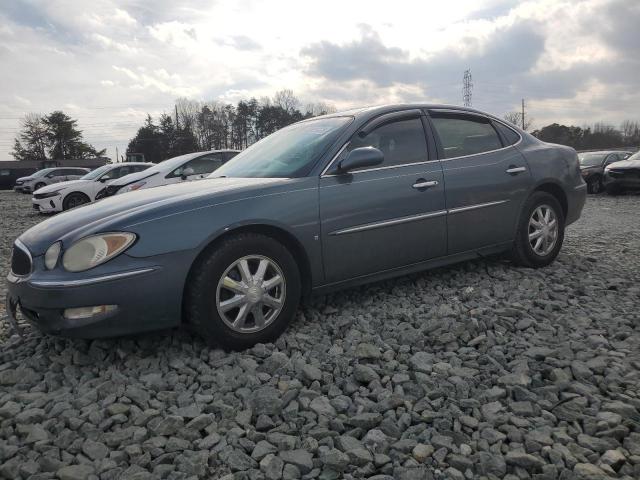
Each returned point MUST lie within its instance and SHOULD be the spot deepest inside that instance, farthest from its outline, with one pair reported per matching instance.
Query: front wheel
(38, 186)
(540, 231)
(594, 185)
(74, 200)
(245, 290)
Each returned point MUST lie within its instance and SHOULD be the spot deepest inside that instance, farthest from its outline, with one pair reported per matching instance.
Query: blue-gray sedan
(323, 204)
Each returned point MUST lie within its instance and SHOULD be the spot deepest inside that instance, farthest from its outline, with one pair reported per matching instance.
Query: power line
(467, 87)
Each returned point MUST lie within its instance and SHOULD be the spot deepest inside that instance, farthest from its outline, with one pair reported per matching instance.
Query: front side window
(401, 142)
(591, 159)
(461, 136)
(199, 166)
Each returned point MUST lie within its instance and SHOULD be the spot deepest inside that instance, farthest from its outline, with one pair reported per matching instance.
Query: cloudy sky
(109, 62)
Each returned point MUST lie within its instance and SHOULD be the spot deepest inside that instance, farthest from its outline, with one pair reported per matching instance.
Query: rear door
(393, 215)
(486, 178)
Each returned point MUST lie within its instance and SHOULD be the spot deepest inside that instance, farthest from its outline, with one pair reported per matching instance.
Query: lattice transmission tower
(467, 87)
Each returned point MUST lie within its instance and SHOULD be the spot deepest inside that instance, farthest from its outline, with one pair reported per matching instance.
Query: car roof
(374, 111)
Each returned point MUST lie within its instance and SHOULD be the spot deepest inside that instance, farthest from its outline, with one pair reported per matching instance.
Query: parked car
(48, 176)
(73, 193)
(192, 166)
(592, 165)
(320, 205)
(623, 175)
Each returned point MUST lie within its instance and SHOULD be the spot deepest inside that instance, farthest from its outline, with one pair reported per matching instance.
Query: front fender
(295, 212)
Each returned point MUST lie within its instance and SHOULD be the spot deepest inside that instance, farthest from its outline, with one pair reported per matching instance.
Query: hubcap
(543, 230)
(250, 294)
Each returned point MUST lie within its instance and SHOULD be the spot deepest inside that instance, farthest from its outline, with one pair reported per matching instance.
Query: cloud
(114, 61)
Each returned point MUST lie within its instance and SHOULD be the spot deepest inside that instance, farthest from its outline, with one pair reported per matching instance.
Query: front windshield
(174, 162)
(289, 152)
(92, 175)
(591, 159)
(635, 156)
(43, 172)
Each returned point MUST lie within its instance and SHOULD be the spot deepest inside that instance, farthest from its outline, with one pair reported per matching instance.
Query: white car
(90, 187)
(192, 166)
(48, 176)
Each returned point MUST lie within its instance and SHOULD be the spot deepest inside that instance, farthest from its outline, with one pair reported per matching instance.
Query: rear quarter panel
(558, 165)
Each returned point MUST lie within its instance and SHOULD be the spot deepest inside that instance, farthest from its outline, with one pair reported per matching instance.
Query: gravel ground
(480, 370)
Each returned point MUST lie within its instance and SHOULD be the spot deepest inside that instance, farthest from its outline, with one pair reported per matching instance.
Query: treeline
(197, 126)
(600, 136)
(51, 137)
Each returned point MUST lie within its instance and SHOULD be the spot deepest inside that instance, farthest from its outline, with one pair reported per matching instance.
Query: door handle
(424, 184)
(512, 170)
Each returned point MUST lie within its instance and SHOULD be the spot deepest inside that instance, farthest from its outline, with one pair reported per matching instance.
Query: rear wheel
(540, 231)
(244, 291)
(594, 184)
(74, 200)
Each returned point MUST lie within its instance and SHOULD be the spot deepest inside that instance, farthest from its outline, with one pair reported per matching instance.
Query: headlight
(95, 250)
(51, 256)
(131, 187)
(48, 195)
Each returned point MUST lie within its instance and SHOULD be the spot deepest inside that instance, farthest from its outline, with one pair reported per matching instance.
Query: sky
(108, 63)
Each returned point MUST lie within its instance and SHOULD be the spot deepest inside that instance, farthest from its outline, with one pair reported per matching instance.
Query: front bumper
(629, 180)
(48, 205)
(18, 188)
(147, 296)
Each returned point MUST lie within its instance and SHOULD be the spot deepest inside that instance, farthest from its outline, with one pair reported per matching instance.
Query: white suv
(192, 166)
(66, 195)
(48, 176)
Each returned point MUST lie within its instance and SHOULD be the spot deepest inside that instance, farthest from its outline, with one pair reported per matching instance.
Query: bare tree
(319, 108)
(515, 118)
(286, 100)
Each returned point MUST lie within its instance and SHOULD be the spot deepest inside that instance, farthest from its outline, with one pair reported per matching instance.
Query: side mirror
(360, 158)
(186, 172)
(102, 180)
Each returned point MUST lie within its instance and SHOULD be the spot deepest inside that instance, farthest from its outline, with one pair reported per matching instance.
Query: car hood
(120, 211)
(134, 177)
(54, 187)
(622, 164)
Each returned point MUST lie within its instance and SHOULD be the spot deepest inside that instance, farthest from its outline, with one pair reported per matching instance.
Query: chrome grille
(20, 260)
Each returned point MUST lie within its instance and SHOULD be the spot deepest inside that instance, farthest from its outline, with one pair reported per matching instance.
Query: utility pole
(467, 87)
(523, 113)
(117, 157)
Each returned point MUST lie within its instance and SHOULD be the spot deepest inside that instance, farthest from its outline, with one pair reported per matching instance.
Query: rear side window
(401, 142)
(508, 134)
(462, 136)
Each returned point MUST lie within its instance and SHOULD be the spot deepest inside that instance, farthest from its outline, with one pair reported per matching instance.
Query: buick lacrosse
(323, 204)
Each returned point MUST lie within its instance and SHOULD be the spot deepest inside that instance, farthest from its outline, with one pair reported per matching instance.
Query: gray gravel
(480, 370)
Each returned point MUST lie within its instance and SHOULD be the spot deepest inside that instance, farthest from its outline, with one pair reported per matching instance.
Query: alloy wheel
(250, 294)
(543, 230)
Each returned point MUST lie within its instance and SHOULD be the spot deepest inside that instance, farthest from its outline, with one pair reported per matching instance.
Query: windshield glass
(174, 162)
(591, 159)
(289, 152)
(92, 175)
(43, 172)
(635, 156)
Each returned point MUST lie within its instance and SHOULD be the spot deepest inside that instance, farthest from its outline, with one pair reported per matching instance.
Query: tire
(75, 199)
(205, 291)
(524, 253)
(39, 186)
(594, 184)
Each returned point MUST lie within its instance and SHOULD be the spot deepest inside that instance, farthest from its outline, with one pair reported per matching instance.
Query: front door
(487, 180)
(389, 216)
